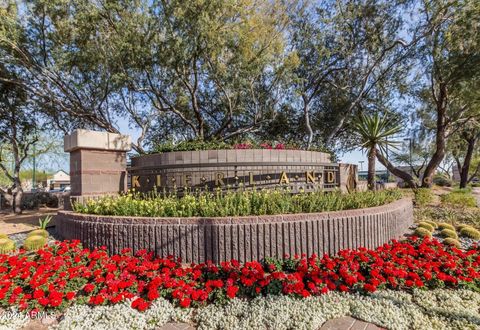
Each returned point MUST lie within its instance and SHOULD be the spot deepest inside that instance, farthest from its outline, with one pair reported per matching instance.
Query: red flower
(185, 302)
(232, 291)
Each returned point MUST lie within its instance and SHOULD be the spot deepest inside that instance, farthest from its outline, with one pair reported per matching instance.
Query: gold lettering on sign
(219, 179)
(187, 178)
(135, 182)
(330, 177)
(283, 178)
(310, 176)
(250, 175)
(159, 180)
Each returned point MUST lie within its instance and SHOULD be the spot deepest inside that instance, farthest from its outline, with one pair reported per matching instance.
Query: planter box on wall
(241, 238)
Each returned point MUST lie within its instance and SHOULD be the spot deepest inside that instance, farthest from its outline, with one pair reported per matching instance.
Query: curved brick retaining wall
(241, 238)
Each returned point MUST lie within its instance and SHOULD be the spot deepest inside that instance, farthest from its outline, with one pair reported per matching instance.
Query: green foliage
(34, 242)
(43, 222)
(38, 232)
(191, 145)
(459, 198)
(442, 180)
(427, 226)
(3, 236)
(423, 196)
(445, 225)
(422, 232)
(6, 245)
(449, 233)
(470, 232)
(239, 203)
(452, 241)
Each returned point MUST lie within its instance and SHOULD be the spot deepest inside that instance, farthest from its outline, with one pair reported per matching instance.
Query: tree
(464, 148)
(191, 69)
(450, 58)
(372, 132)
(348, 52)
(17, 135)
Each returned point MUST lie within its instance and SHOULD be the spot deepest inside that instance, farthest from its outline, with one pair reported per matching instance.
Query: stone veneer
(241, 238)
(260, 168)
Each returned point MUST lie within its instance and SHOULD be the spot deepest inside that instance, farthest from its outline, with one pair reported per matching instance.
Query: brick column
(97, 162)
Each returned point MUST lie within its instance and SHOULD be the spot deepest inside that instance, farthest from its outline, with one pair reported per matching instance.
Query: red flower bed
(58, 276)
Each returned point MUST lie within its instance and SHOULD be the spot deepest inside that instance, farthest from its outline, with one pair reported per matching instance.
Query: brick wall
(242, 238)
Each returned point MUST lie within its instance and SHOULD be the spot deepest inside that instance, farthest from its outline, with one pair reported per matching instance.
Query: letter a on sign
(135, 182)
(283, 178)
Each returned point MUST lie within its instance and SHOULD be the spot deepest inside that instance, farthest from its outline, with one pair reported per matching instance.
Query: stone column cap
(86, 139)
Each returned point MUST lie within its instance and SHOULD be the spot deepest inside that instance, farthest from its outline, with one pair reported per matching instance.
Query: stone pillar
(98, 162)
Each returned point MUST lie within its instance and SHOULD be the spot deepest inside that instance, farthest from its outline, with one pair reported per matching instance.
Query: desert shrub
(452, 241)
(422, 232)
(459, 198)
(238, 203)
(442, 180)
(427, 226)
(445, 225)
(470, 232)
(449, 233)
(423, 196)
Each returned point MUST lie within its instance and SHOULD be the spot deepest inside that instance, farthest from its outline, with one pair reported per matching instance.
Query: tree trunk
(406, 177)
(371, 168)
(440, 139)
(306, 115)
(17, 195)
(466, 163)
(17, 201)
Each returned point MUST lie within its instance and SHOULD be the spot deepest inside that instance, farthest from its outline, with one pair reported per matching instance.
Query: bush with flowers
(63, 274)
(233, 203)
(196, 145)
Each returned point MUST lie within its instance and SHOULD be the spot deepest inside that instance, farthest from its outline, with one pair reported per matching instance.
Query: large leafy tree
(195, 69)
(349, 55)
(17, 136)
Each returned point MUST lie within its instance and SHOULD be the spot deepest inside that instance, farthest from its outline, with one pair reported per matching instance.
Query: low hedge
(239, 203)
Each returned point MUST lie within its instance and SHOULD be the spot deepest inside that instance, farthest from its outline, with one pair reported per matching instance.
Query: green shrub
(445, 225)
(422, 232)
(459, 198)
(426, 225)
(449, 233)
(3, 236)
(6, 245)
(38, 232)
(34, 242)
(442, 180)
(452, 241)
(239, 203)
(470, 232)
(423, 196)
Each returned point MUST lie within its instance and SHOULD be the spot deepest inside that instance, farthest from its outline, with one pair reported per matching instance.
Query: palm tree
(372, 133)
